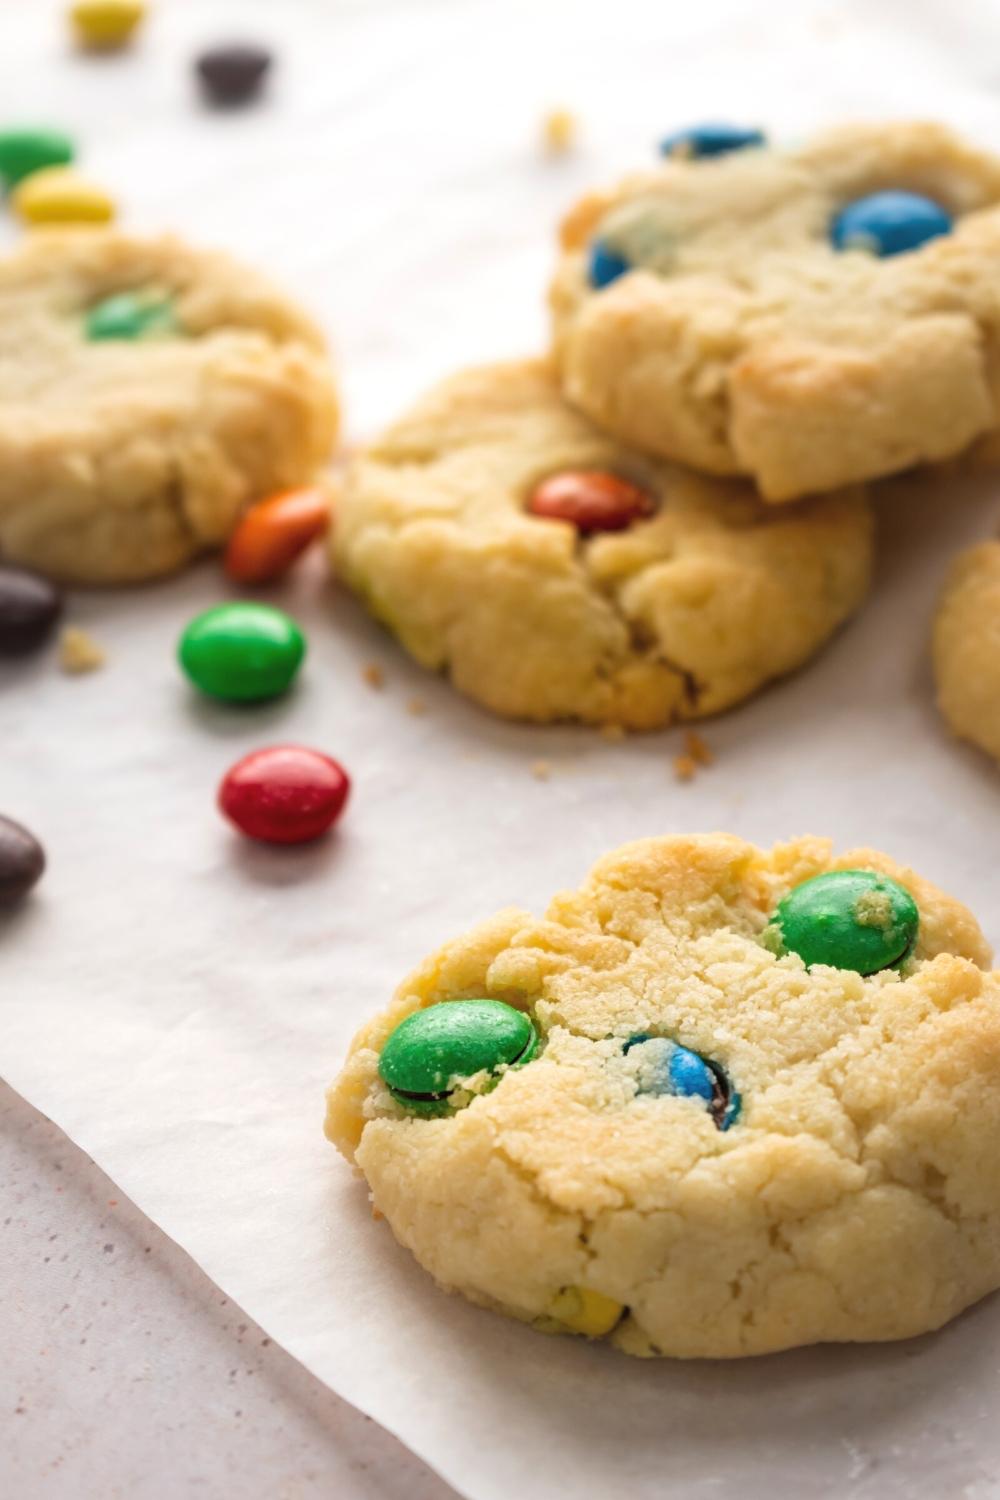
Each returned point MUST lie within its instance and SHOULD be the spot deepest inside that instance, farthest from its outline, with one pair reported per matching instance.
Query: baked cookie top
(809, 316)
(456, 528)
(689, 1136)
(148, 391)
(966, 647)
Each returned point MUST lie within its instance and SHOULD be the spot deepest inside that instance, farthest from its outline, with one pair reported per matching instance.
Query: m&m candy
(242, 652)
(24, 151)
(848, 919)
(22, 861)
(29, 608)
(59, 195)
(234, 73)
(889, 223)
(591, 500)
(605, 264)
(104, 25)
(285, 794)
(273, 533)
(131, 315)
(436, 1048)
(664, 1067)
(710, 139)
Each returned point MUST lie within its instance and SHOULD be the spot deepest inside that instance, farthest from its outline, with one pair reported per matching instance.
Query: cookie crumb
(612, 732)
(698, 750)
(416, 706)
(373, 674)
(79, 652)
(685, 767)
(560, 130)
(541, 770)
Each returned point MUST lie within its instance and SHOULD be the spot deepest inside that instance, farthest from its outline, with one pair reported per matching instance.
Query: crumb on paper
(79, 652)
(416, 706)
(560, 131)
(698, 750)
(374, 675)
(685, 767)
(541, 770)
(612, 732)
(693, 757)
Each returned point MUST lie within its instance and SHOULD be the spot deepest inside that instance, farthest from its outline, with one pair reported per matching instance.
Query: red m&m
(285, 794)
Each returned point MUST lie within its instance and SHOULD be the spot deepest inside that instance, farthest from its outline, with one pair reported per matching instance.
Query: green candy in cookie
(848, 919)
(131, 315)
(453, 1040)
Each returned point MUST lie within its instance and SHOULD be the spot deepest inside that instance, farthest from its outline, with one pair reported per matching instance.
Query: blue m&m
(664, 1067)
(713, 138)
(889, 223)
(606, 265)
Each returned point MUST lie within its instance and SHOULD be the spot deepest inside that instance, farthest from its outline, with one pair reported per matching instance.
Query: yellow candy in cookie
(554, 573)
(60, 195)
(149, 393)
(719, 1101)
(580, 1310)
(808, 317)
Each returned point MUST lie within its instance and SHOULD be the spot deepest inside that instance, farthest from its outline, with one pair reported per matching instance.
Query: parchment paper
(177, 999)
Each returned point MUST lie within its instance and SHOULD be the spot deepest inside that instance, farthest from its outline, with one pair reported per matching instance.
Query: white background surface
(128, 1376)
(177, 1000)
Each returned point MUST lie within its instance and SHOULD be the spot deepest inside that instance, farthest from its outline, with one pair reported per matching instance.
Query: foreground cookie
(967, 647)
(148, 393)
(809, 317)
(646, 1117)
(555, 574)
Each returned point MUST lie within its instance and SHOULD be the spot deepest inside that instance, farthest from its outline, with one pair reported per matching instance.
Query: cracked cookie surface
(122, 457)
(686, 612)
(742, 342)
(855, 1196)
(966, 647)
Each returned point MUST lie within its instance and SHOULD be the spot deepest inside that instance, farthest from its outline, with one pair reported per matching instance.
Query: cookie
(148, 393)
(649, 1117)
(808, 317)
(966, 647)
(555, 574)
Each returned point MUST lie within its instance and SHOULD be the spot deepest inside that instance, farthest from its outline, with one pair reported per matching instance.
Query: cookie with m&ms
(149, 393)
(718, 1102)
(807, 317)
(554, 573)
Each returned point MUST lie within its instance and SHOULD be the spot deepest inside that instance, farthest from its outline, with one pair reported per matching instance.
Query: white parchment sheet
(177, 999)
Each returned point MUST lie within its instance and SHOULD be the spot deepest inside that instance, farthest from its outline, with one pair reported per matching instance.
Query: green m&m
(26, 151)
(242, 652)
(434, 1049)
(849, 919)
(130, 315)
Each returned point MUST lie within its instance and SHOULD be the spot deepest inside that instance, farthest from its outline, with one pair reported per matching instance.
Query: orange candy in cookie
(591, 500)
(274, 533)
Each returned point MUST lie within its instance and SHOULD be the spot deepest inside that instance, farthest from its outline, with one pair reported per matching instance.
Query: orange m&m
(274, 533)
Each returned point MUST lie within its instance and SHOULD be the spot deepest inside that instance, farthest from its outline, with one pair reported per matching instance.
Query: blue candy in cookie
(889, 223)
(606, 265)
(665, 1067)
(711, 139)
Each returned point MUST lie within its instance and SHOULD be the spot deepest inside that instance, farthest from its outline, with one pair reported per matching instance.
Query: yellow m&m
(106, 24)
(59, 195)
